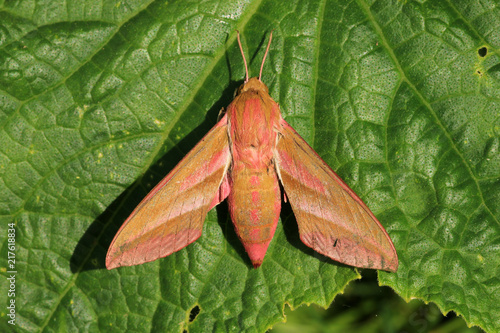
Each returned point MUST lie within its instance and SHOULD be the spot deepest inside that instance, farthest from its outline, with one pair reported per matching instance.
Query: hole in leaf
(195, 311)
(482, 52)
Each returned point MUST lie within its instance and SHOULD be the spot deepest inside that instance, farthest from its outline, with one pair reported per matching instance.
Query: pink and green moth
(244, 158)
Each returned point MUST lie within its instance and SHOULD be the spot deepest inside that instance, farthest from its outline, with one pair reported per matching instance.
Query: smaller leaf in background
(365, 307)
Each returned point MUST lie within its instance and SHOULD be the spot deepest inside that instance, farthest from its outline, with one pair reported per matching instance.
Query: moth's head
(253, 84)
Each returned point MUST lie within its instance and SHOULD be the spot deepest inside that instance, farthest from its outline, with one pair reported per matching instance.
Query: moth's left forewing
(171, 216)
(331, 218)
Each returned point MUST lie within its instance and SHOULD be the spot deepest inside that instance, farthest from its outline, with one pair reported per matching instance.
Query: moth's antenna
(265, 54)
(243, 55)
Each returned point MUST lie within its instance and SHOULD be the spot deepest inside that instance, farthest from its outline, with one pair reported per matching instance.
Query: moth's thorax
(254, 118)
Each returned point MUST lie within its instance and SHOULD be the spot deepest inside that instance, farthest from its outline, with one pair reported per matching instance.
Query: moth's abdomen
(255, 199)
(254, 206)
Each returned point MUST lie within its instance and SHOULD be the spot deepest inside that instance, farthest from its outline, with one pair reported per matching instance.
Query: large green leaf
(99, 100)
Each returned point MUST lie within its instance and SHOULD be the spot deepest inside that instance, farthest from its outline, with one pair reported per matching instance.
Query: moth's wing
(171, 216)
(332, 219)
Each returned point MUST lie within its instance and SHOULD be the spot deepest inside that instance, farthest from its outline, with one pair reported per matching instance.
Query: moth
(244, 158)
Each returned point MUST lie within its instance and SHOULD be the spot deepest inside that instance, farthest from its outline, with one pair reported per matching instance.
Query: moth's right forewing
(171, 216)
(332, 219)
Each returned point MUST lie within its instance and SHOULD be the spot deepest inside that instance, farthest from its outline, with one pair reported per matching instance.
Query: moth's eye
(239, 90)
